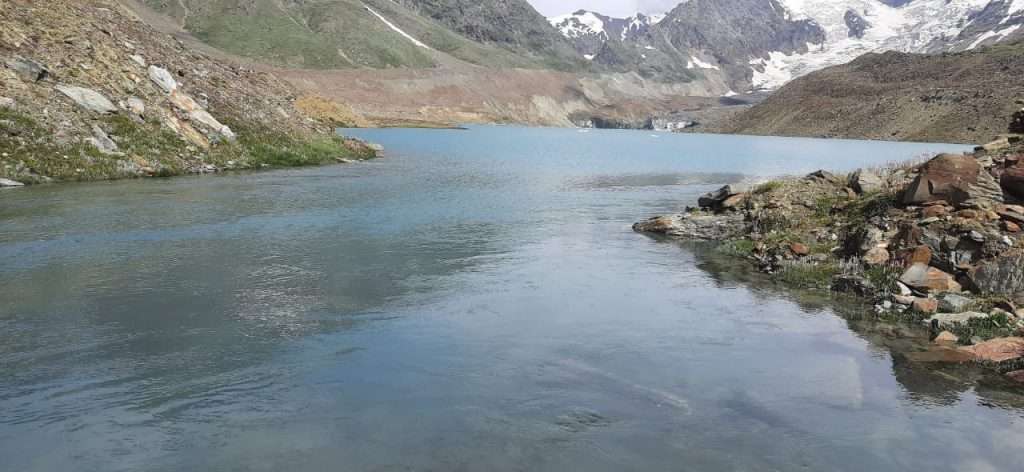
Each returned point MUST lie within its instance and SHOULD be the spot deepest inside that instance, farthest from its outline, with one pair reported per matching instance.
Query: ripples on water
(474, 301)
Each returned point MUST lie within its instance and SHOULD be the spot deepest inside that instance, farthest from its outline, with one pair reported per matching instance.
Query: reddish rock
(929, 279)
(934, 211)
(925, 305)
(1016, 376)
(1011, 227)
(946, 337)
(1011, 216)
(799, 249)
(997, 350)
(968, 214)
(1012, 181)
(733, 202)
(956, 178)
(921, 255)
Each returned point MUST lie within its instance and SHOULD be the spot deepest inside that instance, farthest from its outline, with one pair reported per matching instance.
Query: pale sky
(618, 8)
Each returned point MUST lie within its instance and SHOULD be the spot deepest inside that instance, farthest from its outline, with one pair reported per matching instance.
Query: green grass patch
(808, 275)
(767, 187)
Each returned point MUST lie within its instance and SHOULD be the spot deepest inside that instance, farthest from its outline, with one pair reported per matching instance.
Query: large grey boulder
(1002, 275)
(865, 181)
(28, 69)
(89, 99)
(8, 183)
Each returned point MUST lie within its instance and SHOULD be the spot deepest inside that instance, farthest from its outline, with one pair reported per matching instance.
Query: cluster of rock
(940, 242)
(96, 63)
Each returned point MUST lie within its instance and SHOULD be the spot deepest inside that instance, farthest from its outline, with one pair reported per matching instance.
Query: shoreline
(937, 244)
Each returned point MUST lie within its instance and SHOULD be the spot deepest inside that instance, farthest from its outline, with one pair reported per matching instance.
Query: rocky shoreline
(938, 244)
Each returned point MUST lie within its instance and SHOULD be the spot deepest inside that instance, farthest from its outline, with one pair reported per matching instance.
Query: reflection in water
(475, 301)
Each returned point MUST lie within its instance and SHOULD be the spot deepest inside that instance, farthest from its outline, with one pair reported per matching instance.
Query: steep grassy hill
(326, 34)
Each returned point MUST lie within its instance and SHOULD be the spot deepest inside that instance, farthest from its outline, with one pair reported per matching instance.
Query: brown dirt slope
(963, 97)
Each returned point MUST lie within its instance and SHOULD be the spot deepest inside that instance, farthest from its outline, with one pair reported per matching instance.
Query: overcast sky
(618, 8)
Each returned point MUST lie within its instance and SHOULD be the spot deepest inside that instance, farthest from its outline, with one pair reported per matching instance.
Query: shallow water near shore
(476, 300)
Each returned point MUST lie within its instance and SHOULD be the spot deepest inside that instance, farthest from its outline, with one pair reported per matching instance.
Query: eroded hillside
(88, 91)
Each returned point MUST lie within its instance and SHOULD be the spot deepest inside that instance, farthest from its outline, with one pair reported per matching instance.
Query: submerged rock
(998, 350)
(702, 226)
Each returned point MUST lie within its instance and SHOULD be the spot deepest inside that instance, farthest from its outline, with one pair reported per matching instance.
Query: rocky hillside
(87, 91)
(953, 97)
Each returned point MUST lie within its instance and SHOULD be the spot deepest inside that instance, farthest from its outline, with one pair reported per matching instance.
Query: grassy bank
(31, 154)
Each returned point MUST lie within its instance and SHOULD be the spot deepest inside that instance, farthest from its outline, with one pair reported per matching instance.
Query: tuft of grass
(736, 248)
(808, 275)
(767, 187)
(995, 326)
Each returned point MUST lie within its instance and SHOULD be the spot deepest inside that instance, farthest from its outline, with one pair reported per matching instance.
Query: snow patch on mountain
(914, 27)
(579, 24)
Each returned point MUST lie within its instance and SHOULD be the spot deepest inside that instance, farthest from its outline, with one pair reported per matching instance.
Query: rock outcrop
(935, 243)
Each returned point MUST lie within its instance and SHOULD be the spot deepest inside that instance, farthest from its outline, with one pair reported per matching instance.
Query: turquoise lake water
(475, 300)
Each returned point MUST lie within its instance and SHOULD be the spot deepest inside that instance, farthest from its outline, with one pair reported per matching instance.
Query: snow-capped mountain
(758, 44)
(589, 31)
(856, 27)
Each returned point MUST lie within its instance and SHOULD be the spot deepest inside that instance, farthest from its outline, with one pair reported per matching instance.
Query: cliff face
(88, 91)
(953, 97)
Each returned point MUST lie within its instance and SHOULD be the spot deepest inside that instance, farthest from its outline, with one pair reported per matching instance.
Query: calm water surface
(474, 301)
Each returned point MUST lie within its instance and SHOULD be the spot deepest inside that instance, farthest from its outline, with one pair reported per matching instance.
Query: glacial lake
(474, 301)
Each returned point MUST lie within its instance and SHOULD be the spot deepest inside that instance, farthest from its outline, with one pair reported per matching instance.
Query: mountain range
(397, 61)
(763, 44)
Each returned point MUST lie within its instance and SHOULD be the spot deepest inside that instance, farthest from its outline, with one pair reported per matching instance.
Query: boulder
(946, 337)
(733, 202)
(953, 303)
(799, 249)
(854, 284)
(89, 99)
(953, 320)
(929, 279)
(994, 146)
(955, 178)
(921, 255)
(102, 142)
(28, 69)
(865, 181)
(197, 114)
(823, 176)
(925, 305)
(138, 60)
(877, 256)
(8, 183)
(1002, 275)
(136, 106)
(1012, 181)
(699, 226)
(998, 350)
(1017, 122)
(6, 102)
(163, 79)
(1016, 376)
